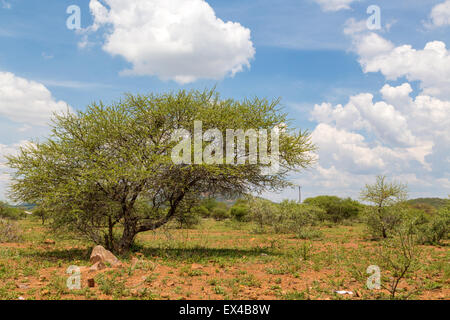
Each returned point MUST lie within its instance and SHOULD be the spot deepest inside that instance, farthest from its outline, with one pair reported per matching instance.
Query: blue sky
(317, 55)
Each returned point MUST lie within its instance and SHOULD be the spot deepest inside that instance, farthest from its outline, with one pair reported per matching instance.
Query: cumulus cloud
(430, 65)
(361, 113)
(440, 14)
(28, 106)
(407, 138)
(27, 102)
(335, 5)
(179, 40)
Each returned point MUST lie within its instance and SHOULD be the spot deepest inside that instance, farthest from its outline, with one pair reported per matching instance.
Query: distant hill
(25, 206)
(434, 202)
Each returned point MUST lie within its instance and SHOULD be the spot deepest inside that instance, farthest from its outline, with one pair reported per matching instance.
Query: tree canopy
(107, 172)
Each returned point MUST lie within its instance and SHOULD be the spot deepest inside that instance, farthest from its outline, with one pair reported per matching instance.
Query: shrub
(9, 231)
(336, 209)
(187, 219)
(263, 213)
(399, 255)
(240, 213)
(201, 211)
(435, 229)
(11, 213)
(220, 213)
(381, 222)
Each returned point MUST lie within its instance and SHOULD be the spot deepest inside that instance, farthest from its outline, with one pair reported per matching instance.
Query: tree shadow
(202, 253)
(66, 255)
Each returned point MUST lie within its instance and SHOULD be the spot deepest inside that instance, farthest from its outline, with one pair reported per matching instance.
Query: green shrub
(11, 213)
(220, 213)
(336, 209)
(9, 231)
(240, 213)
(382, 222)
(308, 233)
(263, 213)
(435, 229)
(188, 219)
(202, 211)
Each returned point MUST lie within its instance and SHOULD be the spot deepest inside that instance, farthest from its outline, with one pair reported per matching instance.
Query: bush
(9, 231)
(202, 211)
(336, 209)
(299, 219)
(8, 212)
(399, 255)
(263, 213)
(382, 222)
(240, 213)
(286, 217)
(188, 219)
(220, 213)
(435, 229)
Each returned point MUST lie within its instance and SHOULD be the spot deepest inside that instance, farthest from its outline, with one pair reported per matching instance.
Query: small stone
(21, 298)
(49, 241)
(22, 286)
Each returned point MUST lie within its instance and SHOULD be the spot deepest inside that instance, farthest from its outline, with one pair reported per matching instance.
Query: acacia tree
(384, 215)
(107, 173)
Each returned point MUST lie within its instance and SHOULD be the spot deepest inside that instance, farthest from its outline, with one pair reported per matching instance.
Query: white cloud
(406, 138)
(27, 102)
(179, 40)
(335, 5)
(5, 178)
(380, 118)
(440, 14)
(29, 105)
(430, 65)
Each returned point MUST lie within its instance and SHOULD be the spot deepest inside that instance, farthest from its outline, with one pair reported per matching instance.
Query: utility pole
(299, 194)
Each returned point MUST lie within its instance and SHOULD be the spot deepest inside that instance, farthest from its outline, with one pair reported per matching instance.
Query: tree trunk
(127, 240)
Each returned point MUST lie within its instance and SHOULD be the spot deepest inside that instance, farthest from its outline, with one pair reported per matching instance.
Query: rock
(196, 266)
(22, 286)
(97, 266)
(21, 298)
(91, 283)
(100, 254)
(49, 241)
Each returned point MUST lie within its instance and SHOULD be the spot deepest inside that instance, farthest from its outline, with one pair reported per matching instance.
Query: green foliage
(386, 213)
(98, 164)
(240, 211)
(436, 203)
(286, 217)
(336, 209)
(8, 212)
(201, 211)
(432, 230)
(399, 255)
(188, 219)
(220, 213)
(263, 213)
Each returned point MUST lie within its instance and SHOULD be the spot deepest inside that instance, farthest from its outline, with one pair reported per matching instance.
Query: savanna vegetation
(199, 231)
